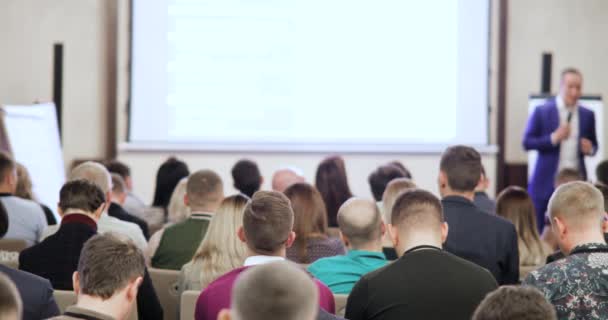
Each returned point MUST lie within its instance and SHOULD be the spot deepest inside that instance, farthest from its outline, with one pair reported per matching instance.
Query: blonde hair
(579, 203)
(221, 250)
(178, 210)
(24, 183)
(393, 189)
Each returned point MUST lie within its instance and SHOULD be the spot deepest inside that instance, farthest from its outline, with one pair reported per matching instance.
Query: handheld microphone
(569, 117)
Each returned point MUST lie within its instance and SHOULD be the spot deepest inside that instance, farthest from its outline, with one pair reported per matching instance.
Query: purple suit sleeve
(593, 136)
(534, 138)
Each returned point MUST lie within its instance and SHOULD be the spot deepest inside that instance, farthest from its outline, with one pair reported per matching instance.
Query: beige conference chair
(165, 283)
(188, 304)
(340, 301)
(9, 252)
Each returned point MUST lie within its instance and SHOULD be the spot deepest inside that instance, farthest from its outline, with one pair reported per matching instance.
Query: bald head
(278, 290)
(579, 205)
(282, 179)
(360, 222)
(95, 173)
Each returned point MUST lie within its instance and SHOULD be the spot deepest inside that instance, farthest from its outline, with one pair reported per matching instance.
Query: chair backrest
(66, 298)
(188, 304)
(9, 252)
(165, 282)
(340, 301)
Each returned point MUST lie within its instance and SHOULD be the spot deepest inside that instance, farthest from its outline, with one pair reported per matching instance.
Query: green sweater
(180, 241)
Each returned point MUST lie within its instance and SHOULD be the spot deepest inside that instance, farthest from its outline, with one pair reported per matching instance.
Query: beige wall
(573, 30)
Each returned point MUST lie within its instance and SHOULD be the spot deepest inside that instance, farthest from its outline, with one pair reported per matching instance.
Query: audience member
(310, 226)
(426, 282)
(177, 243)
(515, 205)
(81, 204)
(168, 176)
(481, 198)
(379, 179)
(574, 284)
(283, 178)
(178, 210)
(247, 177)
(393, 189)
(487, 240)
(361, 230)
(400, 165)
(267, 232)
(99, 175)
(119, 194)
(601, 172)
(11, 307)
(106, 286)
(24, 191)
(515, 303)
(275, 291)
(26, 218)
(35, 292)
(332, 183)
(563, 176)
(132, 204)
(221, 250)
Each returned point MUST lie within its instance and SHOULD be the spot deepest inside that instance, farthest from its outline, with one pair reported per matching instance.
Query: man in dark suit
(119, 195)
(81, 203)
(426, 282)
(487, 240)
(563, 133)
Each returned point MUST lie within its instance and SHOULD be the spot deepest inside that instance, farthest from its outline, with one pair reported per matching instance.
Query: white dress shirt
(256, 260)
(568, 153)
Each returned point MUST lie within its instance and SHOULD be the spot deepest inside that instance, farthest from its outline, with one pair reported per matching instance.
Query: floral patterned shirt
(577, 285)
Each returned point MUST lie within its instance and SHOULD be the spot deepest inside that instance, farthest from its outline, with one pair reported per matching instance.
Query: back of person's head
(400, 165)
(393, 189)
(283, 178)
(8, 174)
(566, 175)
(360, 223)
(310, 216)
(119, 188)
(81, 196)
(278, 290)
(93, 172)
(110, 268)
(515, 303)
(221, 250)
(417, 213)
(11, 307)
(577, 206)
(332, 183)
(178, 210)
(379, 179)
(120, 168)
(460, 169)
(601, 172)
(24, 183)
(247, 177)
(267, 223)
(515, 204)
(604, 190)
(167, 177)
(484, 182)
(204, 190)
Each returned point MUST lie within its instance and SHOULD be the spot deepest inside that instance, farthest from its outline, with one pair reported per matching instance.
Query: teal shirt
(340, 273)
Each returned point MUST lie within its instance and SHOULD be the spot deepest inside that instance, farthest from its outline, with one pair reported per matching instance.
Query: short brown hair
(566, 175)
(115, 166)
(379, 179)
(82, 195)
(267, 221)
(10, 300)
(416, 207)
(118, 184)
(7, 164)
(107, 264)
(570, 70)
(515, 302)
(462, 166)
(204, 187)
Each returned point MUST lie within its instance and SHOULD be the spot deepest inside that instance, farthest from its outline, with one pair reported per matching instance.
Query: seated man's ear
(224, 315)
(133, 288)
(240, 233)
(444, 232)
(76, 282)
(290, 239)
(344, 239)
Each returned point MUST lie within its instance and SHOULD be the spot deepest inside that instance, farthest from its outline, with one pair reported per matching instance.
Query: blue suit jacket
(541, 124)
(36, 294)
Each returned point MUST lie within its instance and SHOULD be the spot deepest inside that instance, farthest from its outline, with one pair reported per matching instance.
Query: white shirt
(256, 260)
(568, 153)
(110, 224)
(26, 220)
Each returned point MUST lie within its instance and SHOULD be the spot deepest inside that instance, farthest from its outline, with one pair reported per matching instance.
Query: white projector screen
(320, 74)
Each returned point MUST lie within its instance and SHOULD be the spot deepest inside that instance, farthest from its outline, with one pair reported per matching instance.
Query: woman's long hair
(167, 177)
(221, 250)
(310, 216)
(332, 183)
